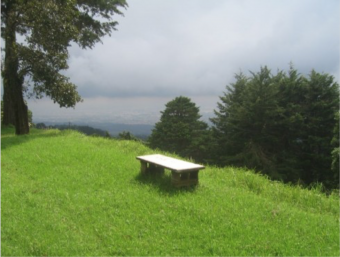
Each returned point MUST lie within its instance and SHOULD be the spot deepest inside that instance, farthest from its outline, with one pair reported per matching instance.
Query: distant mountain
(115, 129)
(138, 130)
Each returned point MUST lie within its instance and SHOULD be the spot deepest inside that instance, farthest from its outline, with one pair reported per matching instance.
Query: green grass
(66, 194)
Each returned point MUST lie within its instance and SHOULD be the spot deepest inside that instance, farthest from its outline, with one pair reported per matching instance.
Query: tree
(2, 111)
(281, 125)
(107, 134)
(180, 130)
(41, 126)
(48, 28)
(310, 106)
(245, 125)
(292, 89)
(126, 135)
(231, 99)
(319, 109)
(29, 114)
(336, 152)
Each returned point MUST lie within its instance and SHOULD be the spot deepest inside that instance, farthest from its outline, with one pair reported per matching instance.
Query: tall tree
(281, 125)
(48, 27)
(292, 91)
(310, 106)
(180, 130)
(319, 109)
(245, 124)
(336, 152)
(222, 129)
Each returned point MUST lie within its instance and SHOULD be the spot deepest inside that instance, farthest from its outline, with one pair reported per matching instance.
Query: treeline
(284, 125)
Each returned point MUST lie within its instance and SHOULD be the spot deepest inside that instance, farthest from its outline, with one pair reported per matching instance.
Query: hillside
(66, 194)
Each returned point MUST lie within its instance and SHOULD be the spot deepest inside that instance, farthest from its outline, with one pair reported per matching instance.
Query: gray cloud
(194, 47)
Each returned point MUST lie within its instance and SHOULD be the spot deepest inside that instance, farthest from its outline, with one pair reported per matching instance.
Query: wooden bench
(182, 173)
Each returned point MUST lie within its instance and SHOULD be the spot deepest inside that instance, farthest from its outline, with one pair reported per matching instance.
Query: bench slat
(170, 163)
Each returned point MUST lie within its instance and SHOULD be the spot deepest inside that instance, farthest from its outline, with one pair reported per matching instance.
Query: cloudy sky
(168, 48)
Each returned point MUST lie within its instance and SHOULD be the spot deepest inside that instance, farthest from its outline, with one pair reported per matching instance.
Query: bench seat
(183, 173)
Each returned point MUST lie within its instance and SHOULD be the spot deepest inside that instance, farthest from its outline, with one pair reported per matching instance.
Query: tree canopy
(180, 130)
(281, 125)
(47, 28)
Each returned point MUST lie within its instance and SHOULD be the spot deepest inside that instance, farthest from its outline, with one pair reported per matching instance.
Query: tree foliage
(48, 28)
(126, 135)
(180, 130)
(336, 150)
(281, 125)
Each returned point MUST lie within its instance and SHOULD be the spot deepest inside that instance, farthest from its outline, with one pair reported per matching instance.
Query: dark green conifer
(281, 125)
(180, 130)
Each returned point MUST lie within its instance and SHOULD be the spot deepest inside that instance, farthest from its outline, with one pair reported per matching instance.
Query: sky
(168, 48)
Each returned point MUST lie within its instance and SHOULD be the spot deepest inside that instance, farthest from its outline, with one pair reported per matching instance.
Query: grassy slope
(63, 193)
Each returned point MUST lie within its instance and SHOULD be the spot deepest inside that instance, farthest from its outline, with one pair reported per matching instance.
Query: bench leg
(175, 178)
(194, 175)
(143, 167)
(184, 179)
(157, 170)
(152, 169)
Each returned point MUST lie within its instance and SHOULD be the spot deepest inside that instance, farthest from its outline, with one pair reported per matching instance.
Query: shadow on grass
(163, 184)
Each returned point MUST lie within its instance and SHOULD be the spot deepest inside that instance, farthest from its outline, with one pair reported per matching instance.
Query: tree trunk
(14, 100)
(8, 110)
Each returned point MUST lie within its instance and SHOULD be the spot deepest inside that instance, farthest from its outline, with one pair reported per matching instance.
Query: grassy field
(66, 194)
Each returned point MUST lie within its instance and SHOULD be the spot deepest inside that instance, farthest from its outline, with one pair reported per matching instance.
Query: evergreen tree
(180, 130)
(292, 90)
(246, 123)
(335, 153)
(280, 125)
(225, 144)
(319, 111)
(310, 106)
